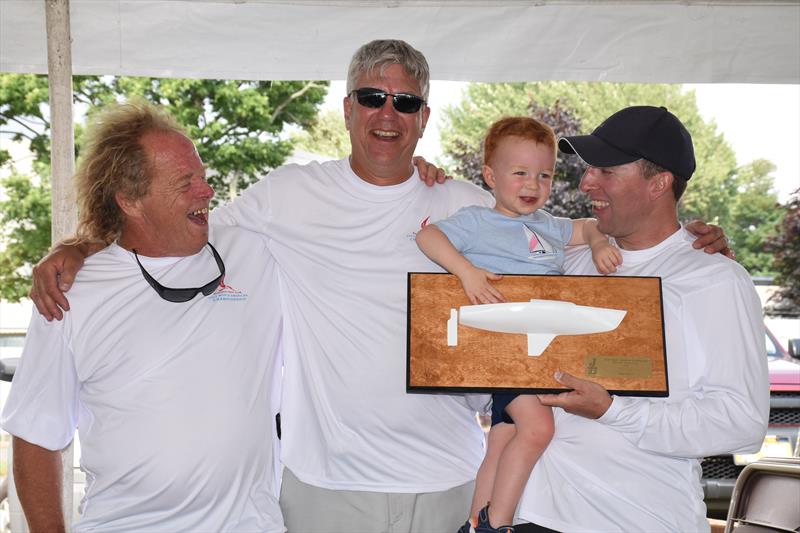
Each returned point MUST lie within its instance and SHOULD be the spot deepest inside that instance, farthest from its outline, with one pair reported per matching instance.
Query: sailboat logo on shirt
(536, 244)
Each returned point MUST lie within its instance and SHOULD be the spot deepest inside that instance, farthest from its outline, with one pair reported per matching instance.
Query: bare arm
(475, 281)
(38, 478)
(55, 273)
(605, 255)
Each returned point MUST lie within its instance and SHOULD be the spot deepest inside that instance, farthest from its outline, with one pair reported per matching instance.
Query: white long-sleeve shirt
(637, 467)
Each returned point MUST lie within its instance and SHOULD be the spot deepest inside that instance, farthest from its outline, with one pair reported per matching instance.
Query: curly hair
(113, 161)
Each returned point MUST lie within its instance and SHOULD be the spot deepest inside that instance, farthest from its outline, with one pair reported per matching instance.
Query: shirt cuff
(611, 414)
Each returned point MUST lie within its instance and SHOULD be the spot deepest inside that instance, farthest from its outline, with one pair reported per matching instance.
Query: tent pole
(59, 68)
(64, 212)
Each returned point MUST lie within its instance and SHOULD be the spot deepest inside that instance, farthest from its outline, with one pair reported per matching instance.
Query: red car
(784, 372)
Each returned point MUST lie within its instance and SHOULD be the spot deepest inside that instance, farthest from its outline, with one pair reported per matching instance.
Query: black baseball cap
(638, 132)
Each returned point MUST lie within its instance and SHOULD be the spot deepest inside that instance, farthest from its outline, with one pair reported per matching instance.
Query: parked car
(720, 472)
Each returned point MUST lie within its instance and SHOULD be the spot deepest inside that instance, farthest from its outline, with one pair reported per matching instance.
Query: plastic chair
(766, 497)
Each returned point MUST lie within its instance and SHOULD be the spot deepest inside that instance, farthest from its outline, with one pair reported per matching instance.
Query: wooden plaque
(629, 360)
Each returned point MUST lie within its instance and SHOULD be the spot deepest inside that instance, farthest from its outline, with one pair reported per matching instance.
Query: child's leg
(499, 437)
(534, 429)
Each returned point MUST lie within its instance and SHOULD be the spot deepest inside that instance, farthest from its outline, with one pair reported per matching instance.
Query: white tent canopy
(668, 41)
(686, 41)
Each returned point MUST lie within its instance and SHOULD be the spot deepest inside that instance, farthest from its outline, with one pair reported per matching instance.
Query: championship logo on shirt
(226, 292)
(536, 244)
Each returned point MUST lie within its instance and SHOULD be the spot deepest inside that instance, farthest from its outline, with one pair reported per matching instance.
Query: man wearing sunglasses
(160, 365)
(360, 454)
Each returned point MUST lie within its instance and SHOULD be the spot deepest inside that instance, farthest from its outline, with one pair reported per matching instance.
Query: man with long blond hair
(359, 454)
(142, 367)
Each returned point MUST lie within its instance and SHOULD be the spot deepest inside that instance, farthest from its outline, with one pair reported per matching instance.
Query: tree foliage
(718, 192)
(786, 247)
(25, 221)
(326, 136)
(754, 217)
(236, 125)
(22, 114)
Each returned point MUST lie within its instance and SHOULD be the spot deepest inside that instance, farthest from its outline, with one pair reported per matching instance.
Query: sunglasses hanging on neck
(185, 294)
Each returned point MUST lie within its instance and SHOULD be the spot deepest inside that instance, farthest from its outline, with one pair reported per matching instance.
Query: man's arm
(710, 238)
(726, 405)
(38, 477)
(42, 408)
(55, 273)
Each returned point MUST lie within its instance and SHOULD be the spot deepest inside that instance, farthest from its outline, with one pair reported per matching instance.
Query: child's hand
(477, 287)
(606, 258)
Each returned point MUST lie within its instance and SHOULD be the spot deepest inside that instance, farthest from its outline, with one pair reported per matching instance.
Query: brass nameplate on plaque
(622, 367)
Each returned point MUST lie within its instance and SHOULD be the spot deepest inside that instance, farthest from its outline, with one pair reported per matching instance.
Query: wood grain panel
(486, 361)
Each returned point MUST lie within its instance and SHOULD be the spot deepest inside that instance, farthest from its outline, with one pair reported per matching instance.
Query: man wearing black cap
(633, 464)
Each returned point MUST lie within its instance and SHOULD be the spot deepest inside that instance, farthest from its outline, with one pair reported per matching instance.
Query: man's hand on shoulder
(54, 275)
(428, 172)
(587, 398)
(710, 238)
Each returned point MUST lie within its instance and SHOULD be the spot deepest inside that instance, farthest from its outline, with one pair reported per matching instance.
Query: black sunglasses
(184, 295)
(375, 98)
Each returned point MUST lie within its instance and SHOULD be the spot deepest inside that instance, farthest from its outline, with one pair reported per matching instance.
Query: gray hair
(384, 52)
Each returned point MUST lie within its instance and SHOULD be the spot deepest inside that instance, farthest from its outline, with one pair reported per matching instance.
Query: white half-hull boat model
(540, 320)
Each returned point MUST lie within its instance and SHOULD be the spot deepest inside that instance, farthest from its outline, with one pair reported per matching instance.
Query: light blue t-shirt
(530, 244)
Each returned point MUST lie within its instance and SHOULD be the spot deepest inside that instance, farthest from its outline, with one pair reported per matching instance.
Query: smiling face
(623, 202)
(383, 140)
(172, 218)
(521, 174)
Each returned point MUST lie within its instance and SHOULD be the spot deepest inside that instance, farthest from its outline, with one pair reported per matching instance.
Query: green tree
(786, 247)
(755, 214)
(25, 221)
(714, 187)
(237, 126)
(326, 136)
(23, 116)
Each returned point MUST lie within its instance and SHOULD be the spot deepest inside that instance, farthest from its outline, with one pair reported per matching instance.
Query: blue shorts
(499, 404)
